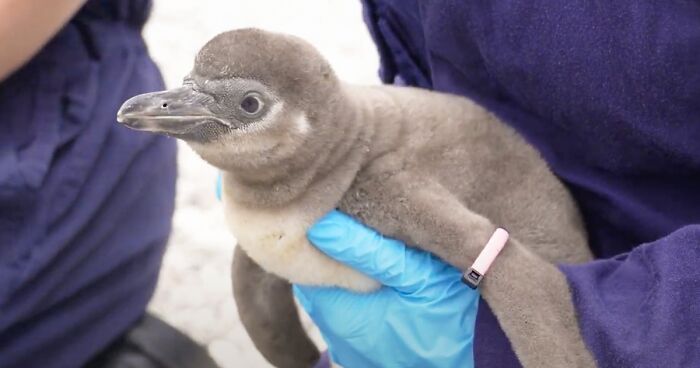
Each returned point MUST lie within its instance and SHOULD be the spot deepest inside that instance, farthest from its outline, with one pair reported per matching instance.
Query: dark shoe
(152, 343)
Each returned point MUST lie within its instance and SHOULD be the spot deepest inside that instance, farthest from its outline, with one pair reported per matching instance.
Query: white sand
(194, 292)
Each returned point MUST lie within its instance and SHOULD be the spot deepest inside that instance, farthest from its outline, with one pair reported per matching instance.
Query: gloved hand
(423, 316)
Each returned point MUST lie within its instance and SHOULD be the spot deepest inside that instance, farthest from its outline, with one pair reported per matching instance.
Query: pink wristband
(482, 263)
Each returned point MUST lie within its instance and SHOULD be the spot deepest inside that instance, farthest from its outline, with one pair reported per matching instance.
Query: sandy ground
(194, 292)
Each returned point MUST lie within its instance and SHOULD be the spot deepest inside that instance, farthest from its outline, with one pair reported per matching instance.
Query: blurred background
(194, 290)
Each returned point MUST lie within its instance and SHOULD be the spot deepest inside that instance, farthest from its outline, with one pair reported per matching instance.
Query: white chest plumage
(276, 240)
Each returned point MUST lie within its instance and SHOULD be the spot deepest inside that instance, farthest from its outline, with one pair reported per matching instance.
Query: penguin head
(252, 94)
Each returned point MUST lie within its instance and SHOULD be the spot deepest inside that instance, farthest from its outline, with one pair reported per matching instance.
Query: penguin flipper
(266, 307)
(529, 295)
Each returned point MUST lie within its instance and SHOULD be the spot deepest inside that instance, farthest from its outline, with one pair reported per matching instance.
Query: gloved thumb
(387, 260)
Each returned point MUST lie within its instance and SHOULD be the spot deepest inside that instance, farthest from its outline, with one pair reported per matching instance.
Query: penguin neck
(330, 166)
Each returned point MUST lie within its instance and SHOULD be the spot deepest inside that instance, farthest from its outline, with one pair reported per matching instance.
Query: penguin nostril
(164, 105)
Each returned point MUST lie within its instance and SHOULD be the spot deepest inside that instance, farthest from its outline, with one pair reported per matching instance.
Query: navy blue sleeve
(642, 308)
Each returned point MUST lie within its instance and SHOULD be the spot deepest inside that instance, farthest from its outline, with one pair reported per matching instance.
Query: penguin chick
(433, 170)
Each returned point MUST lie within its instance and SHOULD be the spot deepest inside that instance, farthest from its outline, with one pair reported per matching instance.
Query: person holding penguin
(609, 95)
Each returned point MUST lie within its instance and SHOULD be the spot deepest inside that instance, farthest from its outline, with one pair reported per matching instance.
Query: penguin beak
(175, 111)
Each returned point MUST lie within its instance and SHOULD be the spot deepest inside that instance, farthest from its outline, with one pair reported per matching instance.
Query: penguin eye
(251, 104)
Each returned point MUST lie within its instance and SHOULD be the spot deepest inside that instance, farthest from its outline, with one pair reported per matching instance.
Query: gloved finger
(314, 296)
(338, 310)
(387, 260)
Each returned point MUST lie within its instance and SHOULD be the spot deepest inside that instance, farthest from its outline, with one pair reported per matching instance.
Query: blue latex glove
(219, 184)
(423, 317)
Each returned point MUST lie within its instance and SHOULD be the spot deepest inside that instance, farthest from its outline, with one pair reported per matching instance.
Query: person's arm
(27, 25)
(642, 309)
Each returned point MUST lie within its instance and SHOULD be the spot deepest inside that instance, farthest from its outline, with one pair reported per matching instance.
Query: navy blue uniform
(85, 204)
(609, 93)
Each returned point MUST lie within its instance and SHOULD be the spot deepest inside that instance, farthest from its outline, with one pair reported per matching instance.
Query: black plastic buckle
(472, 278)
